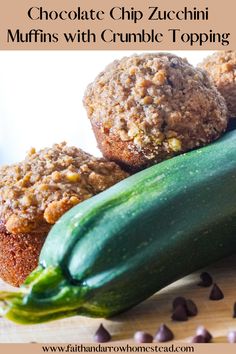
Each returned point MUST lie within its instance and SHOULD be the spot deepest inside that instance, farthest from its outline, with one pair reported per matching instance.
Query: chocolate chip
(206, 280)
(216, 293)
(234, 310)
(198, 339)
(143, 337)
(179, 300)
(180, 313)
(231, 337)
(102, 335)
(191, 308)
(202, 331)
(164, 334)
(174, 63)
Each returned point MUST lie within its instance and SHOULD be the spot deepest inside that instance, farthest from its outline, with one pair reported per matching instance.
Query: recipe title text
(131, 23)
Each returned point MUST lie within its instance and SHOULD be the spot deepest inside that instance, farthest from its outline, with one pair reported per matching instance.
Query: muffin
(36, 192)
(221, 66)
(147, 108)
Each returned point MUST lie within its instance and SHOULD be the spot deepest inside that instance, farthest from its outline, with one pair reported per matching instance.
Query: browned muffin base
(118, 151)
(19, 254)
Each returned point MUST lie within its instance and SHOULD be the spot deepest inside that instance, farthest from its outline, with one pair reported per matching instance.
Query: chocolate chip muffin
(36, 192)
(147, 108)
(221, 66)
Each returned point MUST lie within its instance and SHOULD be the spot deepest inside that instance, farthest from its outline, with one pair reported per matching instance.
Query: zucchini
(116, 249)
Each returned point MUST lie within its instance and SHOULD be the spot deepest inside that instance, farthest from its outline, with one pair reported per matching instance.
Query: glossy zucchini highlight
(116, 249)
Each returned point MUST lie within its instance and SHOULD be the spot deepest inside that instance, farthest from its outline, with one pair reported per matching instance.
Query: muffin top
(37, 191)
(158, 103)
(221, 66)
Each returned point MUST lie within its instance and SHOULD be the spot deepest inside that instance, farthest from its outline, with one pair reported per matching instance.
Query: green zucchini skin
(116, 249)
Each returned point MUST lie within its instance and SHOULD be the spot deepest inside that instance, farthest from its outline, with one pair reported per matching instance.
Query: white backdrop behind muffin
(41, 96)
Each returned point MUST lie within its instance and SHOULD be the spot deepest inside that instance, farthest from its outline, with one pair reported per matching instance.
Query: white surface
(41, 96)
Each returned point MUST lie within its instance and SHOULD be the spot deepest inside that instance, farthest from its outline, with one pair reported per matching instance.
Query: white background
(41, 96)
